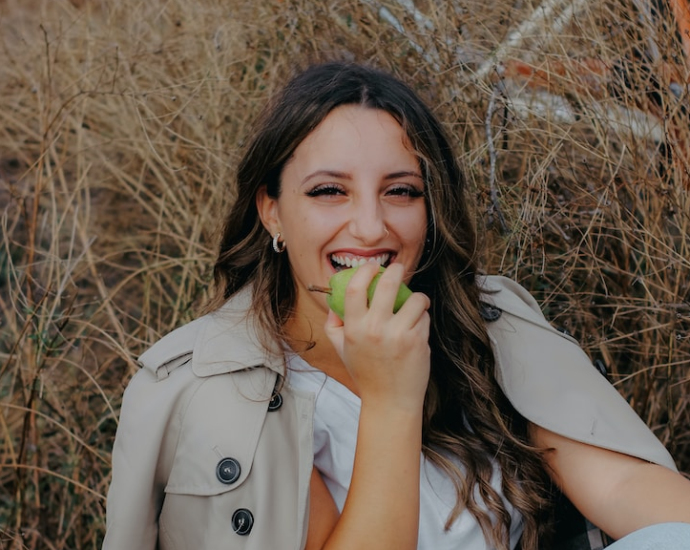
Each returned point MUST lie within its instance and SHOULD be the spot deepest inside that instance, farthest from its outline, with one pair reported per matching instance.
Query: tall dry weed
(120, 126)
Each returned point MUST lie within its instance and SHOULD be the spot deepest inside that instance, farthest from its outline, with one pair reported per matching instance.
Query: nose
(367, 222)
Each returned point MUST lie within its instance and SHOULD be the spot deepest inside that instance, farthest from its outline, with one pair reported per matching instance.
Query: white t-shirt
(336, 418)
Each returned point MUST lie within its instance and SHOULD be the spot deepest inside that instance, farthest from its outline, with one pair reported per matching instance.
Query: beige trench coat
(208, 457)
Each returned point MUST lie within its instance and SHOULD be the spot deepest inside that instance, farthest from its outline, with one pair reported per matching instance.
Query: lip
(345, 258)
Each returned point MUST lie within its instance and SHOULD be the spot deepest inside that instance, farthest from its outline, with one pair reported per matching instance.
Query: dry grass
(120, 125)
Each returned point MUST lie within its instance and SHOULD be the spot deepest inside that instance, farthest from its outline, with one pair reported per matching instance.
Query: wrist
(406, 411)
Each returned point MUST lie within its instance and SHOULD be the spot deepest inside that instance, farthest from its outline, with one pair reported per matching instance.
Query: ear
(268, 210)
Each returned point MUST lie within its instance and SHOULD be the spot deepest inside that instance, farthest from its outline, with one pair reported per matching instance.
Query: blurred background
(121, 122)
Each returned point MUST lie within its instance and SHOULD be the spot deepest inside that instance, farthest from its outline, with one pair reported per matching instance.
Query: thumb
(334, 330)
(333, 320)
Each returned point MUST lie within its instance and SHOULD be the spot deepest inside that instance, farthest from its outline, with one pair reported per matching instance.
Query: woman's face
(351, 192)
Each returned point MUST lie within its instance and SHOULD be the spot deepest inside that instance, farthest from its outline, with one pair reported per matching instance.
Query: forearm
(617, 492)
(647, 494)
(382, 507)
(387, 356)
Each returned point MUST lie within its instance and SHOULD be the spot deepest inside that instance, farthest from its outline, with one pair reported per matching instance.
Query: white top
(336, 418)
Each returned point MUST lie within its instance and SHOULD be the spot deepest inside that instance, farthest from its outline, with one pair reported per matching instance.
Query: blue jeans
(664, 536)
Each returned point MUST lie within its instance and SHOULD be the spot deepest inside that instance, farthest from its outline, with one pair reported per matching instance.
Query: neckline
(298, 367)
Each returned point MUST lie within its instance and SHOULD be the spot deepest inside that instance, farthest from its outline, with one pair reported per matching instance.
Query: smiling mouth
(340, 262)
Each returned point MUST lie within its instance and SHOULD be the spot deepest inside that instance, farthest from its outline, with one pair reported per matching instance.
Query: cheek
(312, 225)
(307, 233)
(413, 227)
(416, 239)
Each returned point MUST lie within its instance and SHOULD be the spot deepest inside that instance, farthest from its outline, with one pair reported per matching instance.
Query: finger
(387, 289)
(356, 301)
(413, 311)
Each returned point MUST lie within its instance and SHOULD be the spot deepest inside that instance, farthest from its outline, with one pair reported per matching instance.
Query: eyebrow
(346, 176)
(404, 174)
(329, 173)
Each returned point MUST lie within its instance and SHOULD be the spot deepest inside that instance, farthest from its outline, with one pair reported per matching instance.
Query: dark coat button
(242, 521)
(275, 403)
(488, 312)
(601, 367)
(228, 471)
(564, 331)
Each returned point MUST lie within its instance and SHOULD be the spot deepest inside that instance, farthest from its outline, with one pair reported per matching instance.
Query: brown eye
(405, 191)
(325, 190)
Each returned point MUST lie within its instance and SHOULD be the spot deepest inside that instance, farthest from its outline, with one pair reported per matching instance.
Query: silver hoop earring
(278, 245)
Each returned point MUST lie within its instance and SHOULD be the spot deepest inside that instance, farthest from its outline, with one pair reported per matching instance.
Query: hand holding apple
(383, 339)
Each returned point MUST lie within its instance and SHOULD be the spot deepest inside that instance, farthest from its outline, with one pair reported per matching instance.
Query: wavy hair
(466, 415)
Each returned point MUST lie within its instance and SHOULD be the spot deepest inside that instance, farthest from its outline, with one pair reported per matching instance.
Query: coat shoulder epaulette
(551, 381)
(173, 350)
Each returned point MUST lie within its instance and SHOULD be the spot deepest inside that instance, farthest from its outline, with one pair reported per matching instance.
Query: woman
(272, 423)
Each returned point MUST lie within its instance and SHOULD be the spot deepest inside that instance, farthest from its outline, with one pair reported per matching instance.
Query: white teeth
(349, 261)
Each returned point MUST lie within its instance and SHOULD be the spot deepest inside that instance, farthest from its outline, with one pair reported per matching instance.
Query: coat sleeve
(551, 381)
(143, 449)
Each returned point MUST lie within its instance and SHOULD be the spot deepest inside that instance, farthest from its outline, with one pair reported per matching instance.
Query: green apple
(338, 283)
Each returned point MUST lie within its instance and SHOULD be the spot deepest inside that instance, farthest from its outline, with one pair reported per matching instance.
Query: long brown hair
(466, 414)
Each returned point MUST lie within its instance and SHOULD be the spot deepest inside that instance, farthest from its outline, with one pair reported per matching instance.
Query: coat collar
(230, 340)
(220, 342)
